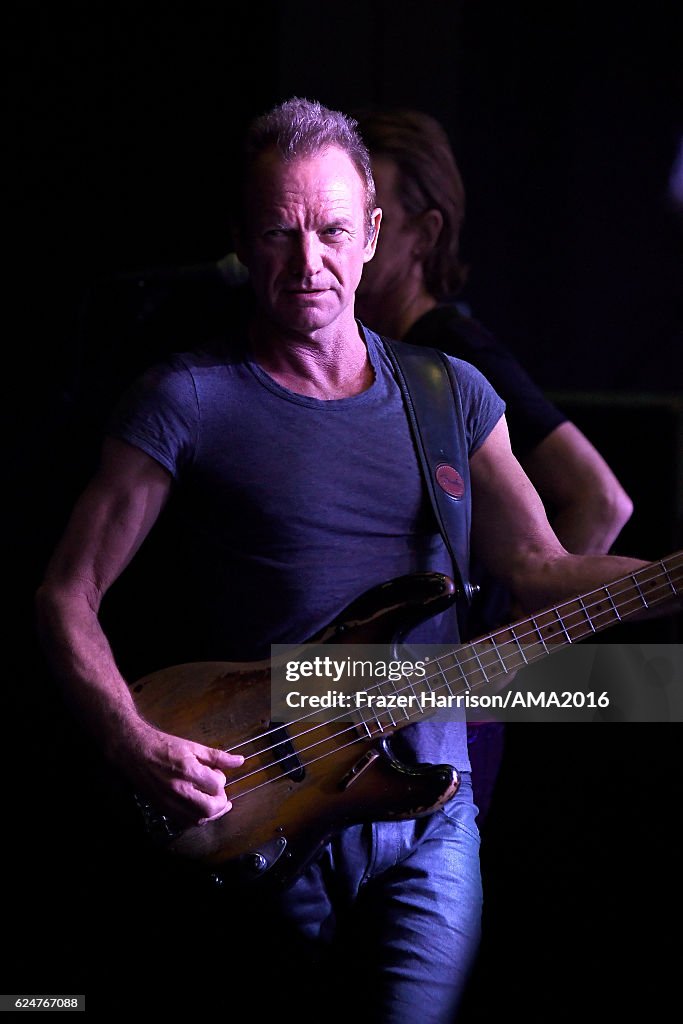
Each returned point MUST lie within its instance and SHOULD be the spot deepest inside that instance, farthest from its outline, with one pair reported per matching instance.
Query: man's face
(394, 259)
(306, 239)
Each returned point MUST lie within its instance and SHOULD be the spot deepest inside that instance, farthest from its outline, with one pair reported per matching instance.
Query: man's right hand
(184, 780)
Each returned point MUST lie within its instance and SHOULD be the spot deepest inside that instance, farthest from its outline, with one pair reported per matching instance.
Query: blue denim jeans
(388, 918)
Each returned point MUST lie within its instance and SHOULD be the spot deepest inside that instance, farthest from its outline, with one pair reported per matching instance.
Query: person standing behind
(409, 292)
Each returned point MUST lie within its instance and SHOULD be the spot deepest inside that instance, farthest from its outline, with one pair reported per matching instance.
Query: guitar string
(514, 643)
(383, 730)
(516, 640)
(582, 612)
(356, 739)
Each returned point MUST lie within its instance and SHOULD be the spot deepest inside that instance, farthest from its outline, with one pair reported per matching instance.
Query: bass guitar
(305, 779)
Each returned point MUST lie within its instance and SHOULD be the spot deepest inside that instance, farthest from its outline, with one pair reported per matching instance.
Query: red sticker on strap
(449, 480)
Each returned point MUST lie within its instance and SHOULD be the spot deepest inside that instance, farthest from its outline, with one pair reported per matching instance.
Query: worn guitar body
(301, 784)
(280, 817)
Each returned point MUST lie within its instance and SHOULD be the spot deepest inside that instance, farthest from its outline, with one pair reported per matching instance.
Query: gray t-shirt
(290, 507)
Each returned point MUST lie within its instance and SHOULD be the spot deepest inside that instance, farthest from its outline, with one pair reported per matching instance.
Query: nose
(306, 254)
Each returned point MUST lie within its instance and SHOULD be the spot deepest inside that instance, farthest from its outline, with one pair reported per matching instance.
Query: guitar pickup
(285, 756)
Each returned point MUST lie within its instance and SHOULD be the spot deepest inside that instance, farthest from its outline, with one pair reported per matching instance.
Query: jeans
(385, 924)
(382, 928)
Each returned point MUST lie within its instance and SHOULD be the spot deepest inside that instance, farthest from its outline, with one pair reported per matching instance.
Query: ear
(371, 244)
(429, 225)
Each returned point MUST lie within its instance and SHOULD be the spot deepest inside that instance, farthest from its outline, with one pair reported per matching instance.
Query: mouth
(306, 296)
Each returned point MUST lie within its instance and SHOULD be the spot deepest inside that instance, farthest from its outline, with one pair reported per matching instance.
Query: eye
(333, 231)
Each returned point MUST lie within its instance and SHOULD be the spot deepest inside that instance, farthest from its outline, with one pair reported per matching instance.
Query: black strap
(432, 398)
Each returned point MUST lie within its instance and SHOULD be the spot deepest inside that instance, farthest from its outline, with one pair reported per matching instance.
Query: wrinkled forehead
(328, 172)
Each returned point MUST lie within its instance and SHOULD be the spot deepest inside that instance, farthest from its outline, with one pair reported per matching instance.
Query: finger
(200, 805)
(215, 758)
(209, 780)
(218, 814)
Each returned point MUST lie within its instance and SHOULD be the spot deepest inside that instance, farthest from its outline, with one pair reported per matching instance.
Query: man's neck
(320, 365)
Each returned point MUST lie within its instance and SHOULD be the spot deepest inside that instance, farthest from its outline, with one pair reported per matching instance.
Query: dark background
(120, 123)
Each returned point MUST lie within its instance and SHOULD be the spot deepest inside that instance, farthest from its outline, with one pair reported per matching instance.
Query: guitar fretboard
(483, 661)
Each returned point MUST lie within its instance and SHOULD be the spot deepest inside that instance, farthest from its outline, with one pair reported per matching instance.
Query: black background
(119, 125)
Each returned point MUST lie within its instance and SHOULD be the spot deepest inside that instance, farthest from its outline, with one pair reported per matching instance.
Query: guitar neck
(528, 640)
(486, 659)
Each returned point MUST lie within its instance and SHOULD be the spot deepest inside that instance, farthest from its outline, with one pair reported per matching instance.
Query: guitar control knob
(257, 863)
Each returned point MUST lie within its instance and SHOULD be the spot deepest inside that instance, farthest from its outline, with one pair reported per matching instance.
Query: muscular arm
(107, 527)
(512, 535)
(589, 507)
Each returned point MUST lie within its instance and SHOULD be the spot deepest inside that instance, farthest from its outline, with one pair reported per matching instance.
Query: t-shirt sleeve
(159, 414)
(482, 406)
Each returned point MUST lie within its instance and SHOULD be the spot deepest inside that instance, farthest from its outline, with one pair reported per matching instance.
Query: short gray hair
(301, 128)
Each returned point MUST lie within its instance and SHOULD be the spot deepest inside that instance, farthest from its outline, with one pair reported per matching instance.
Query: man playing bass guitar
(288, 455)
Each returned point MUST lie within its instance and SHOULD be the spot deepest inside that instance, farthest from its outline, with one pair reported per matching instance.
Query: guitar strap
(433, 402)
